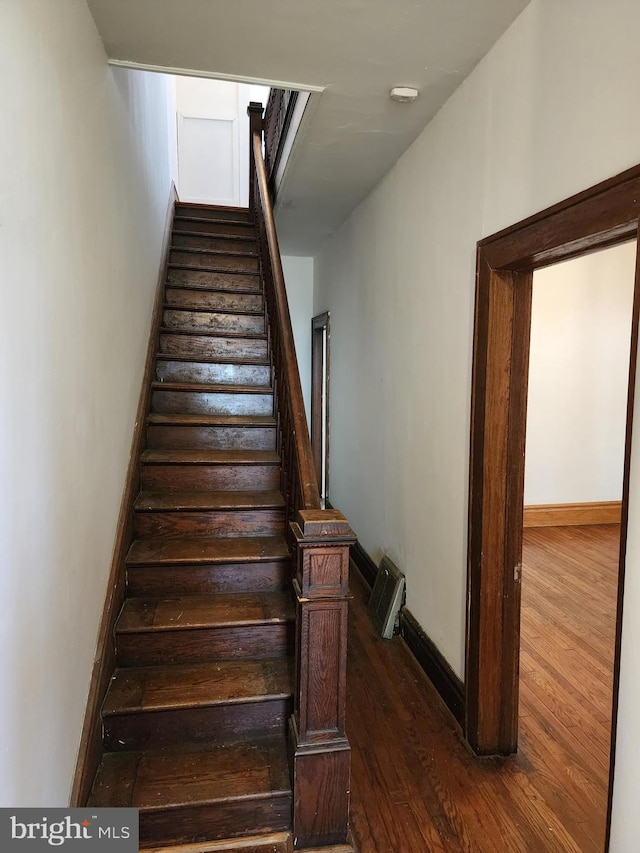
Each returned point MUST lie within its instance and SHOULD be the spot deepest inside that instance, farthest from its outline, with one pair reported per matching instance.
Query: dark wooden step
(151, 707)
(160, 568)
(194, 629)
(183, 297)
(200, 240)
(213, 321)
(174, 515)
(211, 432)
(213, 260)
(221, 470)
(209, 371)
(192, 398)
(214, 212)
(211, 345)
(196, 793)
(209, 226)
(213, 280)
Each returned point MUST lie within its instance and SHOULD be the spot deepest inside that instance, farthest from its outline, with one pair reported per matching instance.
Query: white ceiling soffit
(353, 50)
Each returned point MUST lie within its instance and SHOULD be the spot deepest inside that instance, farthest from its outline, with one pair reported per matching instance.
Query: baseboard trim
(90, 749)
(364, 564)
(557, 515)
(435, 667)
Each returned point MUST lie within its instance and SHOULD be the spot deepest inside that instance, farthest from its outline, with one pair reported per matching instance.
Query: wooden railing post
(256, 124)
(320, 749)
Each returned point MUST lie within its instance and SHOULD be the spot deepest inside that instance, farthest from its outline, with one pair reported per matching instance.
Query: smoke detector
(403, 94)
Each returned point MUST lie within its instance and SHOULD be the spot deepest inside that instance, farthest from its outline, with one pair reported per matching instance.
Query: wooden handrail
(309, 492)
(320, 540)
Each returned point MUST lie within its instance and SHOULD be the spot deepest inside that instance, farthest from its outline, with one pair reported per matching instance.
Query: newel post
(320, 749)
(256, 123)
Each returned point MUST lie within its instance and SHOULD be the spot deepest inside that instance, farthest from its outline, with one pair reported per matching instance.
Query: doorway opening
(574, 461)
(320, 372)
(603, 216)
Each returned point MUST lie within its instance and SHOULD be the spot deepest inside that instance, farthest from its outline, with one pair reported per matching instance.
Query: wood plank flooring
(416, 787)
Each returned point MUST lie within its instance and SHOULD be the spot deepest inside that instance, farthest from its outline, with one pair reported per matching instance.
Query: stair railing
(319, 749)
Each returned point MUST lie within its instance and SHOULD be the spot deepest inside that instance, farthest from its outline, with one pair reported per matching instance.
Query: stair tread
(210, 500)
(260, 336)
(199, 685)
(189, 216)
(190, 456)
(192, 775)
(175, 266)
(198, 288)
(252, 312)
(199, 251)
(158, 418)
(211, 388)
(202, 359)
(244, 237)
(142, 615)
(224, 549)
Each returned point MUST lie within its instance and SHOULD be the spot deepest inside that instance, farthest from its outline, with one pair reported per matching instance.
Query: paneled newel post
(321, 752)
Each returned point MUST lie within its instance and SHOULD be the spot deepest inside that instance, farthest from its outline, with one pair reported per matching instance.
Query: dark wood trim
(624, 527)
(90, 749)
(364, 564)
(434, 665)
(602, 216)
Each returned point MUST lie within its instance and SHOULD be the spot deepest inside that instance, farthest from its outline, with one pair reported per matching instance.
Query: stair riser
(182, 298)
(200, 345)
(215, 403)
(202, 645)
(173, 525)
(211, 438)
(211, 321)
(228, 214)
(211, 280)
(204, 477)
(215, 374)
(206, 260)
(215, 822)
(233, 723)
(212, 578)
(209, 241)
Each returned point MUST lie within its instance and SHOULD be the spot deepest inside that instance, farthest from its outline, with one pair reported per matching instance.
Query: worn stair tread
(214, 288)
(191, 216)
(253, 312)
(200, 251)
(160, 419)
(203, 359)
(189, 456)
(244, 237)
(144, 615)
(192, 775)
(199, 685)
(210, 500)
(175, 266)
(213, 388)
(206, 333)
(194, 550)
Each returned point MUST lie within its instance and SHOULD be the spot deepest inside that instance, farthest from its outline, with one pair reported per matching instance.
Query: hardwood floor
(416, 787)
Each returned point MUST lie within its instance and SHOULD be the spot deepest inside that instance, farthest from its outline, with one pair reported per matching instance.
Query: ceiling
(354, 51)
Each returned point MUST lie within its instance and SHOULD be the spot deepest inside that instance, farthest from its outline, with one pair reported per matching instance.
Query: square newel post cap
(255, 108)
(322, 525)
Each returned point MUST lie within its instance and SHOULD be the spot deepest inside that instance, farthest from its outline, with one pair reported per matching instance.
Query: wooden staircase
(195, 717)
(217, 703)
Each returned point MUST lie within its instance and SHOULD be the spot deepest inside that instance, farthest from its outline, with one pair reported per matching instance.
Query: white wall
(547, 113)
(84, 188)
(298, 275)
(578, 378)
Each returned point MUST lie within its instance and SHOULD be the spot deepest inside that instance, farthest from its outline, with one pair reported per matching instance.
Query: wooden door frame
(602, 216)
(318, 324)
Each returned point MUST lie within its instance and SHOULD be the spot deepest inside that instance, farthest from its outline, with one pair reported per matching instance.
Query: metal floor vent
(386, 598)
